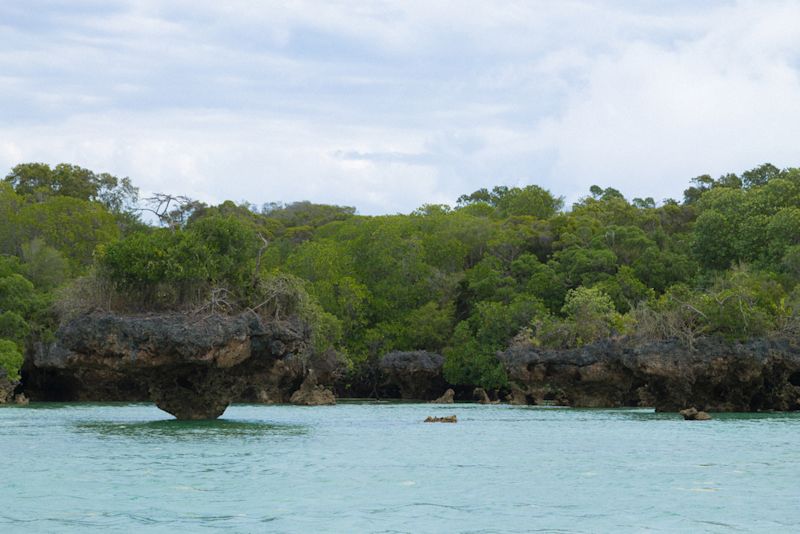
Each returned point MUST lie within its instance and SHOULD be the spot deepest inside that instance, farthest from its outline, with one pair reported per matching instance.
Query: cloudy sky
(389, 105)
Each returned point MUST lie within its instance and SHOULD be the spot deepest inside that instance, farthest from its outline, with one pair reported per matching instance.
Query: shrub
(10, 358)
(589, 316)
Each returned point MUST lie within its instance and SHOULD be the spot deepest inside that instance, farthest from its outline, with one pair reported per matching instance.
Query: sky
(387, 106)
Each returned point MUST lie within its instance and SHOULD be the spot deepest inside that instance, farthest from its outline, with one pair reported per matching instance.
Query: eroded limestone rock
(312, 394)
(190, 367)
(716, 375)
(413, 374)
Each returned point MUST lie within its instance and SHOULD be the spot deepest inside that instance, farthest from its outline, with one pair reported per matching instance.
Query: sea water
(367, 467)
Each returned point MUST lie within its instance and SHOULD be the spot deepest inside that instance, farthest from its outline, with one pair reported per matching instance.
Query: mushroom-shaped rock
(190, 367)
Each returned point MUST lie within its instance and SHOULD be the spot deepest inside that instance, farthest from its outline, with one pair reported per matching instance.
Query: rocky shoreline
(715, 375)
(194, 368)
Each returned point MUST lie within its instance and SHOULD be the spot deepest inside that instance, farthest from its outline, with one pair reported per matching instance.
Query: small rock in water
(21, 399)
(447, 398)
(692, 414)
(445, 419)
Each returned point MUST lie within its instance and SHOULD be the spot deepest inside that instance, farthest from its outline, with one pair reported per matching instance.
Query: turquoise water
(378, 468)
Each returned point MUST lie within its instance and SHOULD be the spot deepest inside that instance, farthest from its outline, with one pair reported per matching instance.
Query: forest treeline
(501, 266)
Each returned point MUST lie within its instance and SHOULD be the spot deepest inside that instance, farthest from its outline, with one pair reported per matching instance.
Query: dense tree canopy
(503, 265)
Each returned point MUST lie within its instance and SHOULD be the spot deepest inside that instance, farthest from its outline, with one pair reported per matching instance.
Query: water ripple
(377, 468)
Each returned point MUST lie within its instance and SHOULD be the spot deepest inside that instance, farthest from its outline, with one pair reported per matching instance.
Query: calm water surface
(378, 468)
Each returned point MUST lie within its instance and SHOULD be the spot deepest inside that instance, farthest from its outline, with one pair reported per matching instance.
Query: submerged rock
(692, 414)
(312, 394)
(716, 375)
(192, 368)
(446, 398)
(445, 419)
(414, 374)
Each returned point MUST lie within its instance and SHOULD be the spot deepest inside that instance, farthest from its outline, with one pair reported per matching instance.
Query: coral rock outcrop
(192, 368)
(714, 375)
(311, 393)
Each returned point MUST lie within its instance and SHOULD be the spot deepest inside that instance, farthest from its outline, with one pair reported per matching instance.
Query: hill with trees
(501, 266)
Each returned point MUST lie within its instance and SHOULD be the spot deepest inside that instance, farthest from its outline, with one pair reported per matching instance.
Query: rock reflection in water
(174, 430)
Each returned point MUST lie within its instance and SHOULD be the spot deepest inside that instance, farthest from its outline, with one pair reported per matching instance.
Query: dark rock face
(191, 368)
(415, 374)
(716, 375)
(480, 395)
(275, 385)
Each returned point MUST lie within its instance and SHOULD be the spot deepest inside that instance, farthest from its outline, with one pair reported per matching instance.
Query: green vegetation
(506, 265)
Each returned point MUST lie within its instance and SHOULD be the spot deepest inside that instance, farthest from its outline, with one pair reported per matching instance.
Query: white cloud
(389, 105)
(652, 117)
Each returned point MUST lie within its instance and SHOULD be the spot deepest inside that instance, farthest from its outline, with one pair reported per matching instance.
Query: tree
(44, 265)
(760, 175)
(714, 240)
(589, 316)
(13, 327)
(72, 226)
(158, 269)
(172, 211)
(17, 294)
(39, 182)
(231, 248)
(702, 184)
(306, 213)
(10, 359)
(530, 200)
(10, 203)
(584, 266)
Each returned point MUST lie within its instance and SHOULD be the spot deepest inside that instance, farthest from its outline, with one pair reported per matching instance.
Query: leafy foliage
(504, 262)
(40, 182)
(10, 358)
